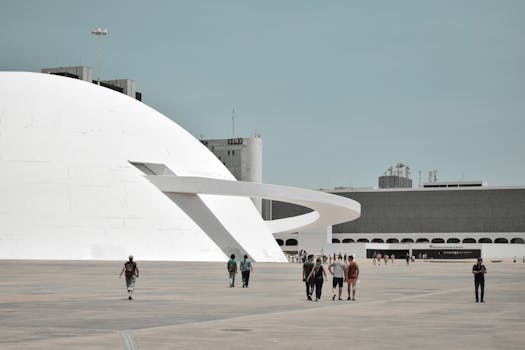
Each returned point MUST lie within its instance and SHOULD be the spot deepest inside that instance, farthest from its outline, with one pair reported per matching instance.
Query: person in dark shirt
(131, 271)
(317, 275)
(307, 268)
(231, 266)
(479, 272)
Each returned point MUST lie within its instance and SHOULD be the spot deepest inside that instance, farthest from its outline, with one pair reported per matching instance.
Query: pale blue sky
(339, 90)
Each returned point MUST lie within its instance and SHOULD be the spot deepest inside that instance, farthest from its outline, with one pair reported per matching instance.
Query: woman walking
(317, 275)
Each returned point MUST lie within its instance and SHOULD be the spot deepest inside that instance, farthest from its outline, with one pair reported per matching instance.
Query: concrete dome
(68, 191)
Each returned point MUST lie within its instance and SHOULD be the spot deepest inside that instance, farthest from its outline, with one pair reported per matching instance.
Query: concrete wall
(438, 210)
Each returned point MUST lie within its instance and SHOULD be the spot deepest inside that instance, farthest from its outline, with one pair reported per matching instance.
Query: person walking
(309, 283)
(337, 269)
(479, 270)
(131, 272)
(231, 266)
(317, 275)
(246, 268)
(352, 274)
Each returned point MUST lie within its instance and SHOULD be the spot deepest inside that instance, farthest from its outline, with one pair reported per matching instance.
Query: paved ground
(83, 305)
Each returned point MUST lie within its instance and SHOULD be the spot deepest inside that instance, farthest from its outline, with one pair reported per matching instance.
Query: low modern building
(437, 218)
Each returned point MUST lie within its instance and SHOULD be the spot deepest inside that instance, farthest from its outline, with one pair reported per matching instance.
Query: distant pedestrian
(392, 258)
(337, 269)
(309, 282)
(407, 258)
(479, 270)
(131, 272)
(317, 274)
(246, 268)
(231, 266)
(352, 274)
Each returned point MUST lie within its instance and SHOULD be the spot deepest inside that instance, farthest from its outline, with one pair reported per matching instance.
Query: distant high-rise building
(124, 86)
(398, 178)
(242, 156)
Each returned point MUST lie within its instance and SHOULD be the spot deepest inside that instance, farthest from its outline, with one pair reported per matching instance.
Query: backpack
(232, 266)
(129, 269)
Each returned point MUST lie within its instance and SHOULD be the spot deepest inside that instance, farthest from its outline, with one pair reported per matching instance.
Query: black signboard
(446, 253)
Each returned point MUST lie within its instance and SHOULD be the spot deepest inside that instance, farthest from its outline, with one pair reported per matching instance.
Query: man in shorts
(131, 271)
(352, 274)
(337, 269)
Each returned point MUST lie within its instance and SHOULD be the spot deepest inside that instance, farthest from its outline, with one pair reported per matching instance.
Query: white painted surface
(67, 190)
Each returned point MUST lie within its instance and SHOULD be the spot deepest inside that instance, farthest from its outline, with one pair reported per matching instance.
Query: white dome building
(69, 191)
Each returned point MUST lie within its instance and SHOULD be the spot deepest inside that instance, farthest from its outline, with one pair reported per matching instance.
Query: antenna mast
(233, 123)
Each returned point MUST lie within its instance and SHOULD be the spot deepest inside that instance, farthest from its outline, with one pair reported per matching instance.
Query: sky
(338, 90)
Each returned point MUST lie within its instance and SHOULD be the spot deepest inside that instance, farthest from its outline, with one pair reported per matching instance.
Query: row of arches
(290, 241)
(426, 240)
(293, 242)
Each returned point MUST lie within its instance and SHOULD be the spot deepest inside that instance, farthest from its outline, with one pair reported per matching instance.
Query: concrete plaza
(181, 305)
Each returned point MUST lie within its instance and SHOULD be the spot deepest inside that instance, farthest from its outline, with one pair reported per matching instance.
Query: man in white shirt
(337, 269)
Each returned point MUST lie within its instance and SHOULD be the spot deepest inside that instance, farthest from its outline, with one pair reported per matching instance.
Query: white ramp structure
(83, 169)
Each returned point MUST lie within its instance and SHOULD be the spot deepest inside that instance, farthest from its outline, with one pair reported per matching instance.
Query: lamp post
(99, 32)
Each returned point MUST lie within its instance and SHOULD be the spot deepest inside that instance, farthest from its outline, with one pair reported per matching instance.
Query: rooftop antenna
(99, 32)
(233, 123)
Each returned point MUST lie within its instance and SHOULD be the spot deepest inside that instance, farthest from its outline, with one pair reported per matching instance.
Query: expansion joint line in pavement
(128, 340)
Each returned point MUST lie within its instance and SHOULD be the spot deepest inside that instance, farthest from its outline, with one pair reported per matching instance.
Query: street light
(99, 32)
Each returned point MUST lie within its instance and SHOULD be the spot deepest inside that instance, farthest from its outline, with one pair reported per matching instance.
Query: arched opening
(378, 240)
(517, 241)
(291, 241)
(469, 240)
(348, 240)
(280, 242)
(501, 240)
(363, 240)
(422, 240)
(453, 240)
(407, 240)
(485, 240)
(335, 240)
(438, 240)
(392, 240)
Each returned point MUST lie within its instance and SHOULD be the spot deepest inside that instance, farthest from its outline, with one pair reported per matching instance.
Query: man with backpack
(246, 268)
(131, 271)
(231, 266)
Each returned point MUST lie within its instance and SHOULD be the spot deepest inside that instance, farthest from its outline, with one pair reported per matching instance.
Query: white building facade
(90, 173)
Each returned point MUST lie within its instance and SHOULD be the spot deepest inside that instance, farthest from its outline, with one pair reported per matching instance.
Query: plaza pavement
(182, 305)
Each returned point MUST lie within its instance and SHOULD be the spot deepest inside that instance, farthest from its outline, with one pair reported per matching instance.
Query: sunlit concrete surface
(182, 305)
(68, 191)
